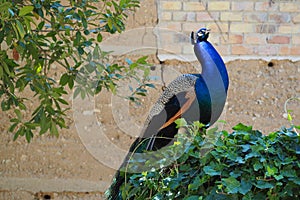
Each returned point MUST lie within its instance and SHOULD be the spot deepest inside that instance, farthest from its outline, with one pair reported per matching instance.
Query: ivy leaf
(261, 184)
(180, 123)
(194, 197)
(246, 186)
(209, 170)
(195, 184)
(288, 172)
(231, 184)
(257, 166)
(242, 127)
(271, 171)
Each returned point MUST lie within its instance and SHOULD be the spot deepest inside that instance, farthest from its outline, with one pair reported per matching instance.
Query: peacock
(194, 97)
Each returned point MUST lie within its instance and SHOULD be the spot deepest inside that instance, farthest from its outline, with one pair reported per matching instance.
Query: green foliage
(242, 165)
(47, 34)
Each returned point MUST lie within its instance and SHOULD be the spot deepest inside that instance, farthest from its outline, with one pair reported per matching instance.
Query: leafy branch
(36, 35)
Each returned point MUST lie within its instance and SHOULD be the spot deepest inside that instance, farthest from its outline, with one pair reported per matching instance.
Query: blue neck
(212, 63)
(214, 75)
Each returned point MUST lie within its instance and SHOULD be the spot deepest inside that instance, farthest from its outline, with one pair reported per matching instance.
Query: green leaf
(109, 23)
(261, 184)
(53, 129)
(297, 127)
(242, 127)
(99, 37)
(19, 132)
(64, 79)
(195, 184)
(231, 184)
(271, 171)
(248, 196)
(62, 101)
(45, 125)
(41, 25)
(71, 82)
(1, 72)
(28, 135)
(296, 180)
(246, 186)
(257, 166)
(287, 171)
(278, 177)
(76, 92)
(18, 113)
(20, 29)
(209, 170)
(180, 122)
(194, 197)
(77, 38)
(25, 10)
(12, 127)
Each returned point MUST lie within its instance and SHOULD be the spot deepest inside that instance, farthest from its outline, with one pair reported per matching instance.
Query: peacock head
(201, 35)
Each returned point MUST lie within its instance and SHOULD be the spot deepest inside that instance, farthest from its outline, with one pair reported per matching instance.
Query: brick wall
(239, 28)
(252, 28)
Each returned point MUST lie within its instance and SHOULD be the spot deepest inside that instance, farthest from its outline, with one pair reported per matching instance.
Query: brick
(279, 40)
(170, 25)
(184, 16)
(266, 28)
(289, 7)
(205, 16)
(280, 18)
(255, 39)
(166, 16)
(293, 29)
(191, 26)
(218, 27)
(231, 16)
(193, 6)
(296, 39)
(295, 50)
(266, 6)
(223, 50)
(214, 38)
(284, 50)
(219, 5)
(256, 17)
(296, 18)
(242, 6)
(241, 50)
(285, 29)
(233, 39)
(267, 50)
(241, 28)
(290, 51)
(171, 5)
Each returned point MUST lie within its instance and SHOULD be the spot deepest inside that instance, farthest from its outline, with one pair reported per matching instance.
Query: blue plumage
(194, 97)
